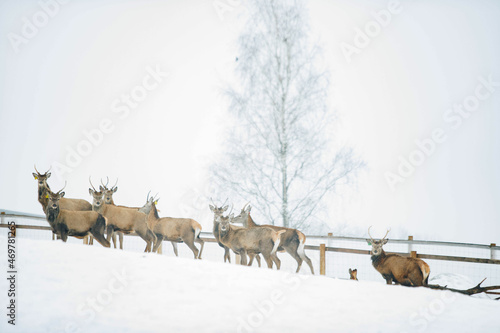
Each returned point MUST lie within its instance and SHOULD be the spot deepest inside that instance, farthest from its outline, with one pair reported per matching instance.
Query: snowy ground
(76, 288)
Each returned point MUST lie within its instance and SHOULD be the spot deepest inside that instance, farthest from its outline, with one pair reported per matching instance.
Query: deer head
(353, 274)
(218, 211)
(53, 198)
(108, 193)
(243, 216)
(377, 244)
(224, 223)
(42, 178)
(97, 196)
(149, 204)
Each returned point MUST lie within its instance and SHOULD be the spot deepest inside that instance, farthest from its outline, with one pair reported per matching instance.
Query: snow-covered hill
(76, 288)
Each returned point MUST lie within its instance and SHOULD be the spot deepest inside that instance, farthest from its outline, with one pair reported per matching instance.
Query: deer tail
(277, 240)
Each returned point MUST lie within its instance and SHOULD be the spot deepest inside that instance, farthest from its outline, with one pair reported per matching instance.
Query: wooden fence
(323, 248)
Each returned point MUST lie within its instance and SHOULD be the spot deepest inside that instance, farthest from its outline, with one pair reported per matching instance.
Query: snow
(78, 288)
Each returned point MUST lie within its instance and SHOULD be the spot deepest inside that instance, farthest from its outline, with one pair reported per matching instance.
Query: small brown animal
(353, 274)
(402, 270)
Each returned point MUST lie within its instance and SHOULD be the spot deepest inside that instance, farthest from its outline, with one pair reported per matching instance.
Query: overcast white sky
(70, 76)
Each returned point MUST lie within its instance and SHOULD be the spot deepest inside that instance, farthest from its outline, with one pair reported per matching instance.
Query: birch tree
(280, 153)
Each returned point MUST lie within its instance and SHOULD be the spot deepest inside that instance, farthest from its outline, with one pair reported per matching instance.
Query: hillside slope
(77, 288)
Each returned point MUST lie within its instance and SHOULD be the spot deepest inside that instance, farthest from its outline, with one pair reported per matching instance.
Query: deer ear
(35, 175)
(90, 191)
(369, 242)
(212, 208)
(48, 175)
(385, 241)
(225, 208)
(249, 208)
(115, 188)
(350, 271)
(101, 188)
(61, 194)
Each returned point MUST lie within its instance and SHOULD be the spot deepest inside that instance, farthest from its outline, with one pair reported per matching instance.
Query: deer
(64, 203)
(292, 240)
(74, 223)
(353, 274)
(126, 220)
(108, 199)
(218, 211)
(250, 240)
(175, 230)
(393, 267)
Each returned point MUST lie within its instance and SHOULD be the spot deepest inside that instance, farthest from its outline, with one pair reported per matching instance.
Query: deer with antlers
(126, 220)
(108, 199)
(292, 240)
(175, 230)
(393, 267)
(74, 223)
(64, 203)
(218, 211)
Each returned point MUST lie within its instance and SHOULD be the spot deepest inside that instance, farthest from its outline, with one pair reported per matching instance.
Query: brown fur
(292, 241)
(353, 274)
(75, 223)
(175, 230)
(255, 240)
(123, 219)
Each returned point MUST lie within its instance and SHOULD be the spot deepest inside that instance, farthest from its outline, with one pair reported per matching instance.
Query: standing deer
(175, 230)
(393, 267)
(126, 220)
(250, 240)
(292, 241)
(74, 223)
(108, 199)
(218, 211)
(64, 203)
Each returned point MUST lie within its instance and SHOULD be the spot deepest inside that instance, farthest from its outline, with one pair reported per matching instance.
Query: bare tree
(279, 154)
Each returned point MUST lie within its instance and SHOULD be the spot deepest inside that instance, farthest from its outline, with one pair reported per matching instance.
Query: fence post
(492, 255)
(410, 244)
(322, 263)
(413, 254)
(2, 218)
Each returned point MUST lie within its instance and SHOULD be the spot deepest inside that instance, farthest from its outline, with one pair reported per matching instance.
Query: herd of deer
(79, 218)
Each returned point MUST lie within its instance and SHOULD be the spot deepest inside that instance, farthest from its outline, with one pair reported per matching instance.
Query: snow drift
(77, 288)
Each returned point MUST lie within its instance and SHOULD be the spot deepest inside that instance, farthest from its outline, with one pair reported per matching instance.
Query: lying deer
(250, 240)
(126, 220)
(292, 240)
(218, 211)
(175, 230)
(74, 223)
(402, 270)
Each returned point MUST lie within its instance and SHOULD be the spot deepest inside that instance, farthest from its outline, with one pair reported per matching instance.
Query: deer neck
(152, 218)
(52, 214)
(250, 223)
(42, 196)
(378, 259)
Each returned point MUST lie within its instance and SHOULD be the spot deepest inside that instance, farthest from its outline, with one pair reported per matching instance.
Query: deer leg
(258, 259)
(159, 239)
(174, 245)
(268, 259)
(101, 239)
(109, 233)
(227, 254)
(64, 232)
(113, 237)
(202, 243)
(302, 255)
(251, 256)
(388, 278)
(97, 231)
(276, 260)
(190, 244)
(243, 255)
(120, 237)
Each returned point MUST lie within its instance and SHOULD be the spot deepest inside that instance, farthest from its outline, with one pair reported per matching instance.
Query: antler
(224, 202)
(213, 203)
(386, 233)
(36, 169)
(65, 183)
(147, 198)
(107, 182)
(369, 232)
(92, 185)
(115, 183)
(245, 205)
